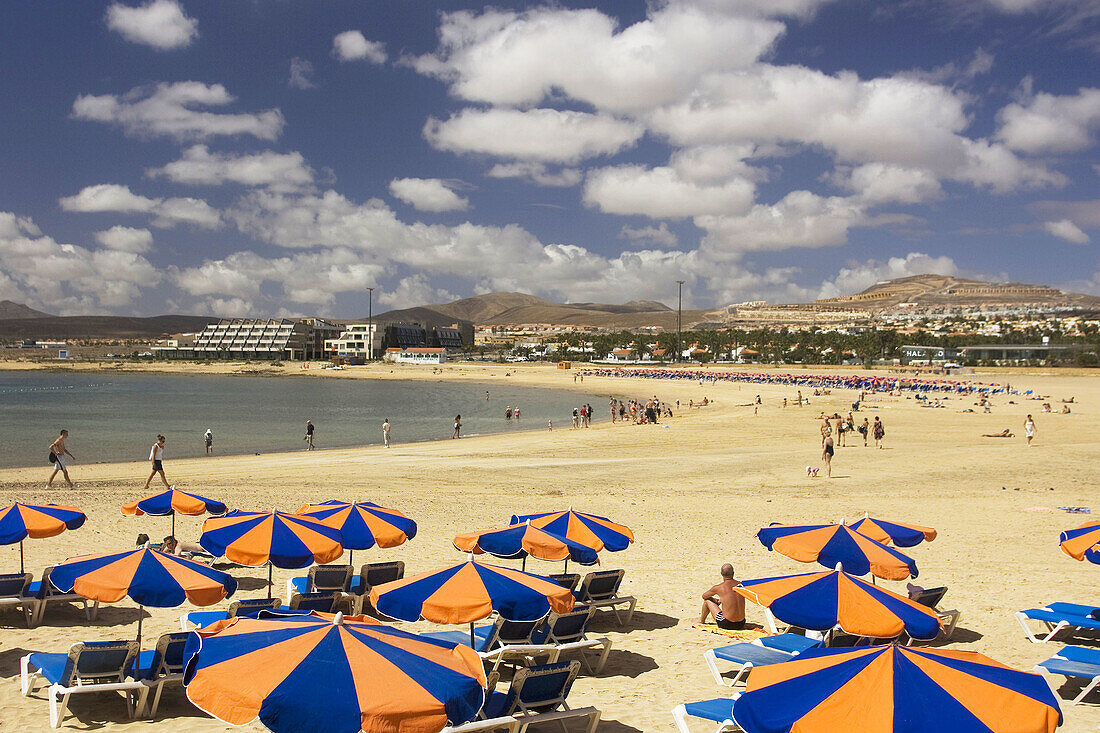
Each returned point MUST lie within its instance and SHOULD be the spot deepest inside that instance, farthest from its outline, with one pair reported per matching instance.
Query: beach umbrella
(362, 524)
(173, 502)
(599, 533)
(331, 674)
(521, 540)
(895, 689)
(1082, 543)
(148, 577)
(20, 521)
(830, 544)
(273, 538)
(896, 533)
(823, 600)
(469, 592)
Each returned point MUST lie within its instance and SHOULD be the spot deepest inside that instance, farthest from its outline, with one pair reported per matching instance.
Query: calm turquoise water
(117, 417)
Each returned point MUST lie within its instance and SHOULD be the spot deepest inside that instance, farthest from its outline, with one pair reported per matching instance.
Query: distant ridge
(945, 291)
(107, 327)
(11, 309)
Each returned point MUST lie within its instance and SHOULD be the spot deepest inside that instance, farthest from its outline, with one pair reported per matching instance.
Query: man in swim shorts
(722, 602)
(58, 455)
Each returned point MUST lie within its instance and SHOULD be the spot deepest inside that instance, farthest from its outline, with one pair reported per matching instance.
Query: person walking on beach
(58, 454)
(576, 418)
(156, 457)
(208, 438)
(309, 435)
(720, 601)
(458, 427)
(1029, 429)
(826, 429)
(386, 432)
(827, 456)
(878, 431)
(864, 428)
(800, 398)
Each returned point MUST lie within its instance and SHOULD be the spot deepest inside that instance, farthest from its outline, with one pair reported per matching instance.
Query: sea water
(117, 417)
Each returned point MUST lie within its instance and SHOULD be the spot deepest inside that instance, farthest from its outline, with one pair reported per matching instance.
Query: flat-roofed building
(428, 355)
(358, 341)
(270, 338)
(1022, 352)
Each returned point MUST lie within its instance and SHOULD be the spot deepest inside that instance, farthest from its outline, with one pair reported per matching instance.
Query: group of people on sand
(640, 412)
(59, 456)
(840, 427)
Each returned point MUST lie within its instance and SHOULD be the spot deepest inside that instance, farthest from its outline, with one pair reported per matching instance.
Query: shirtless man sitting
(727, 607)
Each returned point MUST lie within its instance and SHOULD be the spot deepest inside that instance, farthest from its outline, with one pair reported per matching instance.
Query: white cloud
(161, 24)
(857, 277)
(199, 166)
(1067, 230)
(104, 197)
(879, 183)
(658, 236)
(537, 173)
(1047, 123)
(547, 135)
(300, 72)
(662, 193)
(126, 239)
(508, 58)
(167, 109)
(353, 46)
(428, 194)
(413, 291)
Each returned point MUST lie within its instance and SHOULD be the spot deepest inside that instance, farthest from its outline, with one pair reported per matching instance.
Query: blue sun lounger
(1074, 661)
(537, 695)
(718, 710)
(160, 666)
(243, 607)
(746, 656)
(1057, 617)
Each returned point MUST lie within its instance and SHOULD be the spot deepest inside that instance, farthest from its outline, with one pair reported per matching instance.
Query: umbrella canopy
(148, 577)
(1082, 543)
(521, 540)
(599, 533)
(895, 689)
(331, 674)
(821, 601)
(20, 521)
(257, 538)
(830, 544)
(469, 592)
(901, 535)
(363, 524)
(171, 502)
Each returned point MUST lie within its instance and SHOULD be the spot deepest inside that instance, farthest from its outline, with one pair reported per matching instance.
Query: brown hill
(10, 309)
(946, 292)
(92, 327)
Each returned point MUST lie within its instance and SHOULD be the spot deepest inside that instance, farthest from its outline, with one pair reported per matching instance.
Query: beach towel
(748, 635)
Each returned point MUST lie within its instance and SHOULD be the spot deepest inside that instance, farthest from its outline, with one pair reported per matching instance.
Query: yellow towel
(738, 634)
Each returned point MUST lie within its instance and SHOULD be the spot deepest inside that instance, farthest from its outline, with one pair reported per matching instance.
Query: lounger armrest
(485, 725)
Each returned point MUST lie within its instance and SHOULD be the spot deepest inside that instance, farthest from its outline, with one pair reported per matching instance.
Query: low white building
(354, 343)
(416, 356)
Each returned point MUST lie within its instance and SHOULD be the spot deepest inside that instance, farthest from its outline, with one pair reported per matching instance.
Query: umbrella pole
(351, 557)
(141, 613)
(472, 645)
(566, 564)
(523, 565)
(269, 584)
(173, 524)
(21, 557)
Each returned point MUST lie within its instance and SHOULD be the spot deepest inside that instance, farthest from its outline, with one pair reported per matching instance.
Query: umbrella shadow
(9, 661)
(622, 663)
(248, 584)
(118, 616)
(961, 636)
(614, 726)
(642, 621)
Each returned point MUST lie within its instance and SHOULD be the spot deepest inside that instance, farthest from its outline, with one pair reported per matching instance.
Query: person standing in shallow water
(458, 427)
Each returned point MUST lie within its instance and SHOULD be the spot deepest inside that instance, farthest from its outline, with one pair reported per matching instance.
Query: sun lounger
(506, 722)
(537, 695)
(563, 633)
(160, 666)
(243, 607)
(566, 580)
(15, 591)
(47, 593)
(323, 602)
(500, 641)
(746, 656)
(321, 579)
(718, 710)
(370, 575)
(789, 643)
(930, 598)
(94, 666)
(601, 590)
(1057, 617)
(1074, 661)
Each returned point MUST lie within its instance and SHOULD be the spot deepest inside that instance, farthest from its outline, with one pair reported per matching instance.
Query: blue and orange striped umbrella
(173, 502)
(833, 544)
(148, 577)
(362, 524)
(599, 533)
(20, 521)
(821, 601)
(521, 540)
(895, 689)
(331, 674)
(1082, 543)
(896, 533)
(469, 592)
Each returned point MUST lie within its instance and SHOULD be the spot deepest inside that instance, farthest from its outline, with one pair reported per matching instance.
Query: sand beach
(694, 490)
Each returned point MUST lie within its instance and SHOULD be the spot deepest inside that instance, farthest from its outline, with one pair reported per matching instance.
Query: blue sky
(275, 157)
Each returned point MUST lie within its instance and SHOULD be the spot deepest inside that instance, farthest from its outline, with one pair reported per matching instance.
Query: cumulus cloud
(858, 276)
(1047, 123)
(655, 236)
(537, 173)
(113, 197)
(546, 135)
(879, 183)
(300, 72)
(126, 239)
(353, 46)
(663, 193)
(199, 166)
(413, 291)
(161, 24)
(428, 194)
(1067, 230)
(169, 110)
